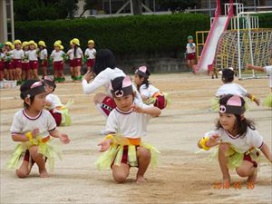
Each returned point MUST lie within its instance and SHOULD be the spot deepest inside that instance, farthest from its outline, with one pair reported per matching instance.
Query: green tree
(70, 6)
(175, 5)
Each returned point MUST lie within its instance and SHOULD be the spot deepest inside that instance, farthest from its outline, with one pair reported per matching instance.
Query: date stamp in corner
(235, 185)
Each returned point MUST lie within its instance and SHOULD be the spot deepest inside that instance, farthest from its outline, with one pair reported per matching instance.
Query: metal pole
(12, 21)
(238, 45)
(250, 42)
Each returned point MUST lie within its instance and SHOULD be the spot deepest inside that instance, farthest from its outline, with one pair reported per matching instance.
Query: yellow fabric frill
(114, 154)
(45, 148)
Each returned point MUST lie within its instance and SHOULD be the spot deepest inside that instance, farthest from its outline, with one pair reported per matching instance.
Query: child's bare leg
(120, 173)
(38, 158)
(247, 169)
(23, 170)
(223, 148)
(144, 157)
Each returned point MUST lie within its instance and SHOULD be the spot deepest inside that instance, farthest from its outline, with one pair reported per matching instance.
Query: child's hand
(35, 132)
(213, 141)
(64, 138)
(104, 145)
(137, 109)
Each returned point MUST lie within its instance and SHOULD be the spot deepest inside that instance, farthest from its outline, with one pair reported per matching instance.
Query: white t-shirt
(57, 56)
(148, 92)
(8, 54)
(43, 54)
(90, 53)
(241, 145)
(22, 123)
(32, 55)
(26, 54)
(54, 100)
(18, 54)
(190, 49)
(128, 124)
(79, 53)
(104, 79)
(268, 70)
(231, 88)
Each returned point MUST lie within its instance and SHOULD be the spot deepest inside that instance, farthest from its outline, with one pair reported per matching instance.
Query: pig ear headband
(141, 71)
(234, 106)
(124, 90)
(35, 89)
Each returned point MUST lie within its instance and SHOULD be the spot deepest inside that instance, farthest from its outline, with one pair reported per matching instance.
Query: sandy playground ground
(181, 177)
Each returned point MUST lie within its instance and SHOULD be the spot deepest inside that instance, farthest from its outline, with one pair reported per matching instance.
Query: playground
(182, 176)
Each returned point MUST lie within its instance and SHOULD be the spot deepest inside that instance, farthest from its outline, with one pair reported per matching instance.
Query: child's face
(57, 48)
(18, 46)
(190, 40)
(227, 120)
(49, 89)
(90, 45)
(38, 103)
(124, 103)
(31, 47)
(26, 47)
(138, 81)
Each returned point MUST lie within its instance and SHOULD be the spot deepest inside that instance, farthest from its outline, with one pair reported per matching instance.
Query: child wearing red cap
(237, 141)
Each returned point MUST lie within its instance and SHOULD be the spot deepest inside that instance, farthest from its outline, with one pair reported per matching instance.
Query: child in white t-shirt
(90, 54)
(33, 127)
(190, 52)
(237, 141)
(149, 93)
(126, 126)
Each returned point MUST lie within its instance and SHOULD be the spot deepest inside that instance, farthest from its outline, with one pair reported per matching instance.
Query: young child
(190, 52)
(149, 93)
(126, 125)
(90, 53)
(75, 54)
(229, 87)
(17, 57)
(59, 111)
(25, 62)
(58, 61)
(33, 127)
(43, 57)
(8, 66)
(104, 70)
(237, 141)
(268, 69)
(1, 62)
(33, 60)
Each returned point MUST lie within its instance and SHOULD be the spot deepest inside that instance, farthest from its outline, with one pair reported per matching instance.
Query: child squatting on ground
(236, 141)
(149, 93)
(126, 126)
(33, 127)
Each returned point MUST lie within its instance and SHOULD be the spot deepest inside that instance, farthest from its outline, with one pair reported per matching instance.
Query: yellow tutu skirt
(48, 150)
(268, 101)
(115, 154)
(235, 158)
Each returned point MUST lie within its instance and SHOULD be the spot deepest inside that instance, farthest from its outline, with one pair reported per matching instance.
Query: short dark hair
(104, 59)
(227, 75)
(24, 87)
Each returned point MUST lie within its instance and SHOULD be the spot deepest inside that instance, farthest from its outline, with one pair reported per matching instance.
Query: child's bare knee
(143, 152)
(242, 172)
(120, 177)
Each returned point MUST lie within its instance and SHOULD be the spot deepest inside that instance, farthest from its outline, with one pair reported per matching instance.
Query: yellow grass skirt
(113, 156)
(45, 148)
(235, 158)
(268, 101)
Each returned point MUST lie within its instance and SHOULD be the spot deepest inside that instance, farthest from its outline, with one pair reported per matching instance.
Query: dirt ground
(182, 175)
